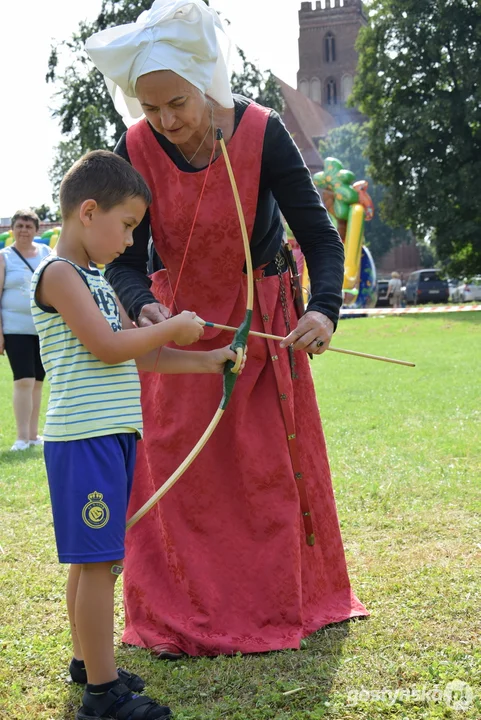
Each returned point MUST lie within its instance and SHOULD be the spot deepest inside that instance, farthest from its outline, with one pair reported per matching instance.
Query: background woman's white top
(15, 300)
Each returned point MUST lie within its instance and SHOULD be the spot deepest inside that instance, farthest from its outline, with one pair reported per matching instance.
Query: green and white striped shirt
(88, 398)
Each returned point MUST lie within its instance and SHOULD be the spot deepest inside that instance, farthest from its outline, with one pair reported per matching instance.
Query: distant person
(394, 290)
(18, 337)
(94, 417)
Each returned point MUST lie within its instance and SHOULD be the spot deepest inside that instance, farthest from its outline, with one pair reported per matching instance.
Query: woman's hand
(216, 359)
(2, 343)
(186, 329)
(313, 333)
(152, 314)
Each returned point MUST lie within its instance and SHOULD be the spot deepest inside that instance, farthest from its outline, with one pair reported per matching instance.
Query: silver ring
(320, 343)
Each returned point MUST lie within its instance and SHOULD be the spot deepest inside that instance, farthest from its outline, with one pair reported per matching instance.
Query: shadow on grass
(9, 457)
(255, 685)
(73, 703)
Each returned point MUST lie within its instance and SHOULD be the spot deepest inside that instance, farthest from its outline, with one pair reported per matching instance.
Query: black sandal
(134, 682)
(121, 703)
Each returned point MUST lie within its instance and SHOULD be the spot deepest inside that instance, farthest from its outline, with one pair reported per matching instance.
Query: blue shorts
(90, 482)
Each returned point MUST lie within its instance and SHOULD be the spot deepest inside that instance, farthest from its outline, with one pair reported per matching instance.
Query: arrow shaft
(338, 350)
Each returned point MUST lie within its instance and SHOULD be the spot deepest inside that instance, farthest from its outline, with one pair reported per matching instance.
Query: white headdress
(185, 36)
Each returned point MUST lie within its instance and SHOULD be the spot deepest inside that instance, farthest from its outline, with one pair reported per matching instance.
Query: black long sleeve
(299, 202)
(285, 186)
(128, 273)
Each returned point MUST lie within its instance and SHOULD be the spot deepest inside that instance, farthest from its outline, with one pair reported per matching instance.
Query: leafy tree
(46, 214)
(88, 119)
(87, 116)
(348, 143)
(68, 151)
(252, 83)
(418, 83)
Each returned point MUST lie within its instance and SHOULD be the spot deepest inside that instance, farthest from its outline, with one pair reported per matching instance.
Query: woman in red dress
(244, 553)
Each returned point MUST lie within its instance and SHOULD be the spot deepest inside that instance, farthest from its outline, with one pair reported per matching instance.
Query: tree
(46, 214)
(68, 151)
(418, 83)
(348, 143)
(88, 119)
(258, 86)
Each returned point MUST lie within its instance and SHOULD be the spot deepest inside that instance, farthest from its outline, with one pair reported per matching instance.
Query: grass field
(405, 451)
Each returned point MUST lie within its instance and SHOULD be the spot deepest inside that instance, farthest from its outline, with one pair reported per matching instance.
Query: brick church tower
(327, 56)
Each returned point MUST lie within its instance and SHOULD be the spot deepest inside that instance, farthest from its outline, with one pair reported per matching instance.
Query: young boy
(89, 348)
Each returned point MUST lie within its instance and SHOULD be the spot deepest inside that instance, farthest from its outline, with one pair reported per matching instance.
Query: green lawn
(405, 450)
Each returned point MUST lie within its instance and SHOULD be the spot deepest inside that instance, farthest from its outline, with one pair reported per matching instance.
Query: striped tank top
(88, 398)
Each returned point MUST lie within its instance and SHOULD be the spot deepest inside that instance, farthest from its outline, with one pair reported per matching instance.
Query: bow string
(238, 345)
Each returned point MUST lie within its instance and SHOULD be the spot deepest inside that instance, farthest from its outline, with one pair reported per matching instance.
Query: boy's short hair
(102, 176)
(26, 215)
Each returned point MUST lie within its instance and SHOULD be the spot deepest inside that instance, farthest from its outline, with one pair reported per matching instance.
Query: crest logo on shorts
(95, 513)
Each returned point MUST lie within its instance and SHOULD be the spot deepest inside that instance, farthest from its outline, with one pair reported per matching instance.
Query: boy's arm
(62, 288)
(175, 362)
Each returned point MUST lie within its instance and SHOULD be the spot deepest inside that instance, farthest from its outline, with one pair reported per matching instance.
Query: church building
(328, 59)
(327, 54)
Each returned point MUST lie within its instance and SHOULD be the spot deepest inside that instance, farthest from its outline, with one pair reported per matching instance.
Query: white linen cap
(185, 36)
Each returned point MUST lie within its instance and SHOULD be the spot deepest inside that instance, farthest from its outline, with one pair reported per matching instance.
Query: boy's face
(110, 231)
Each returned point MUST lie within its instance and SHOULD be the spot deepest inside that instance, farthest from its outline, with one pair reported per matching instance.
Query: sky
(267, 31)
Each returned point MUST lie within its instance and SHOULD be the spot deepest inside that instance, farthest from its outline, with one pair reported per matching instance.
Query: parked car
(382, 299)
(453, 287)
(426, 286)
(468, 291)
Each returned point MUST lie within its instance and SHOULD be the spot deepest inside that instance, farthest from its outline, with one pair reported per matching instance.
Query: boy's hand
(185, 328)
(216, 359)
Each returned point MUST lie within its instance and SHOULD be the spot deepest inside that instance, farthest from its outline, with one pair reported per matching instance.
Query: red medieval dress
(221, 563)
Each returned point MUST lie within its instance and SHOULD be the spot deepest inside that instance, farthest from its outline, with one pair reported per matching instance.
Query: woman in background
(18, 338)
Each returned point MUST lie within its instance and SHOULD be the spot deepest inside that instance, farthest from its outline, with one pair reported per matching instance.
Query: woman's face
(172, 105)
(24, 230)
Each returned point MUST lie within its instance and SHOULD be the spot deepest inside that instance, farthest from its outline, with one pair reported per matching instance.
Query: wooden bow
(238, 346)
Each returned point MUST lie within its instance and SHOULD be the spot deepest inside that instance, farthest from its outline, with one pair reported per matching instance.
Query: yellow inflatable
(353, 243)
(6, 239)
(349, 206)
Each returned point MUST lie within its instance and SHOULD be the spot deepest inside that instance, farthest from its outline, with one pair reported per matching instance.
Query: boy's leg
(72, 586)
(90, 483)
(94, 620)
(106, 695)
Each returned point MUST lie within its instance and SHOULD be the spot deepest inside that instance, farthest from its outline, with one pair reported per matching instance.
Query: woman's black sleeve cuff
(128, 273)
(301, 205)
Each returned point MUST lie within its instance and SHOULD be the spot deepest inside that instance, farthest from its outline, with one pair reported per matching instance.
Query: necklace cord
(211, 126)
(188, 244)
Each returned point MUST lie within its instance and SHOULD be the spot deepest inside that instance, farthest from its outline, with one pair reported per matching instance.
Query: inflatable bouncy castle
(49, 237)
(350, 206)
(6, 239)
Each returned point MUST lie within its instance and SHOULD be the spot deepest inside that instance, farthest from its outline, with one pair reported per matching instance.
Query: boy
(94, 418)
